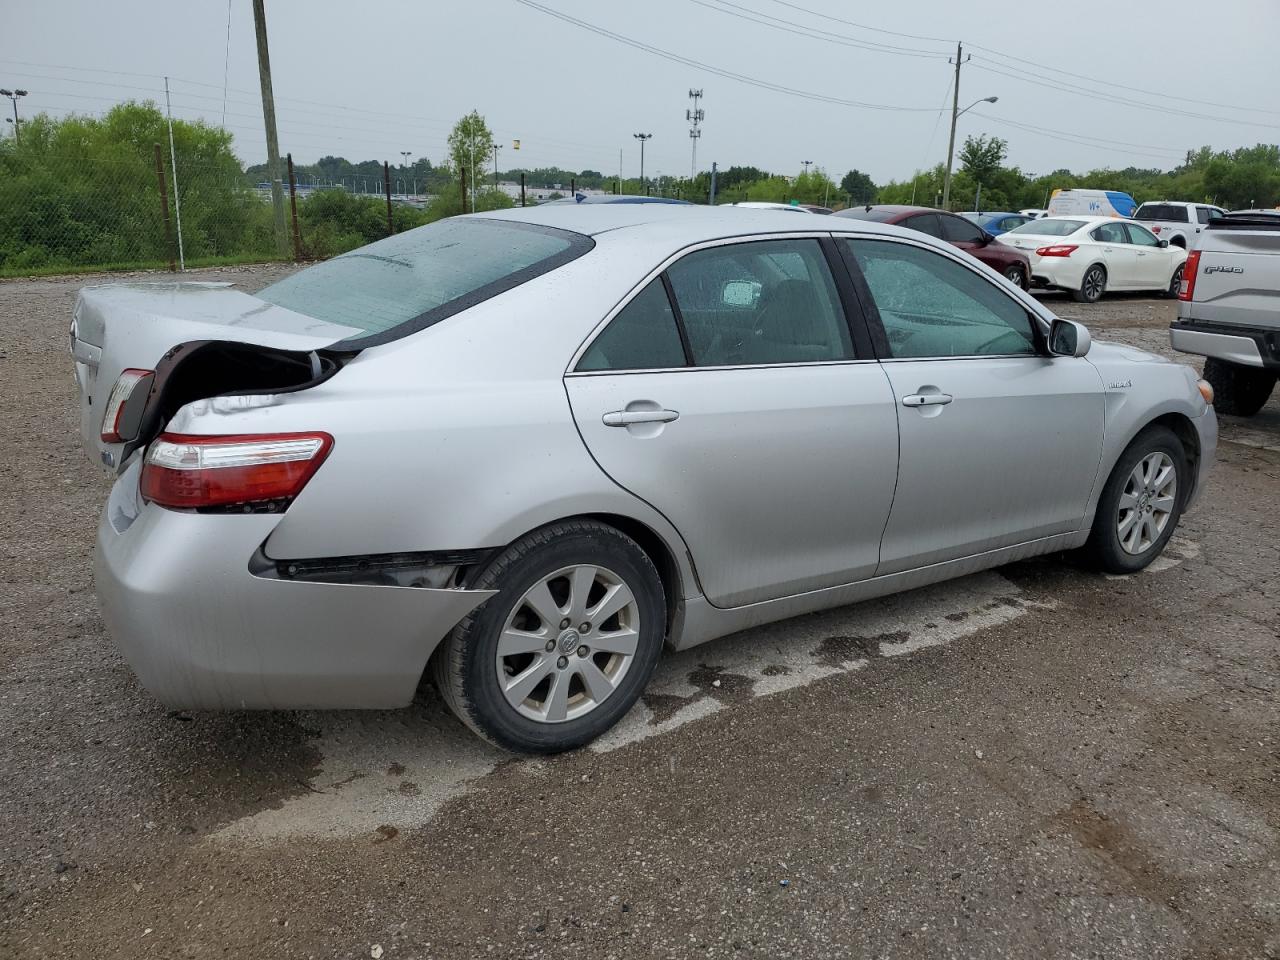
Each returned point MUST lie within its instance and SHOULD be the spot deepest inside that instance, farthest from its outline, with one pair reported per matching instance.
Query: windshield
(404, 283)
(1049, 227)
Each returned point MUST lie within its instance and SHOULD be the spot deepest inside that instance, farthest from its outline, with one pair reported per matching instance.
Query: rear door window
(643, 336)
(407, 282)
(925, 223)
(1110, 233)
(762, 302)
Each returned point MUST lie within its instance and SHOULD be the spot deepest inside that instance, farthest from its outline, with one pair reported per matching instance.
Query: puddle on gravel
(391, 771)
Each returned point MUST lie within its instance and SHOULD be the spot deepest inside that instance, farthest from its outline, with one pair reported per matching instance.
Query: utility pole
(642, 137)
(955, 115)
(694, 117)
(496, 148)
(269, 116)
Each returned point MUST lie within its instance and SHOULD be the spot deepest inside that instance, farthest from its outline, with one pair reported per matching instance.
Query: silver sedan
(523, 450)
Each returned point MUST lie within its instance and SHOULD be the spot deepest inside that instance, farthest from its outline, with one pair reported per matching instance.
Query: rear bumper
(1056, 272)
(202, 632)
(1249, 348)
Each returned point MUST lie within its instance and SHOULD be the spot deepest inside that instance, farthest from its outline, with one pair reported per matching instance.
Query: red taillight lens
(1187, 288)
(189, 472)
(1057, 250)
(121, 391)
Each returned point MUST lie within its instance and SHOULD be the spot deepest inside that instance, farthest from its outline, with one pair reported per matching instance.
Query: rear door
(728, 393)
(1000, 443)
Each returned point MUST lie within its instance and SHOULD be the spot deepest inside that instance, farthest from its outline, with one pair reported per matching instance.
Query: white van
(1091, 203)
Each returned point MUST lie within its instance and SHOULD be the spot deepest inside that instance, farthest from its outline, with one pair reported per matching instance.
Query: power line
(863, 26)
(718, 71)
(813, 33)
(1123, 101)
(1080, 139)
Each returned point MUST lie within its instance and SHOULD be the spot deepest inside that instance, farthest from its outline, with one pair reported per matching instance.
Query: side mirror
(1068, 338)
(1164, 244)
(987, 238)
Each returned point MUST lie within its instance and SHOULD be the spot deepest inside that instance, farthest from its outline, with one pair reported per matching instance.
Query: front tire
(1092, 285)
(1238, 391)
(1141, 503)
(566, 646)
(1175, 283)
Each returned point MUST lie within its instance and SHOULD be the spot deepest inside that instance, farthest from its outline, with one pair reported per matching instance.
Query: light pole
(807, 165)
(14, 95)
(496, 148)
(405, 166)
(642, 137)
(951, 144)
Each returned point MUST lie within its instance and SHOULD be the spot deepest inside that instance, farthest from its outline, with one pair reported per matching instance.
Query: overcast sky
(370, 79)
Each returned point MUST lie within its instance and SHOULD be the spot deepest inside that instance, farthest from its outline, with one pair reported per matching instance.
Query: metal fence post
(386, 183)
(573, 187)
(293, 207)
(522, 188)
(711, 201)
(463, 171)
(164, 209)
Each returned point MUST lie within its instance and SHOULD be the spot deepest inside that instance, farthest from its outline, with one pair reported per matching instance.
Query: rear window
(1161, 211)
(405, 283)
(1049, 227)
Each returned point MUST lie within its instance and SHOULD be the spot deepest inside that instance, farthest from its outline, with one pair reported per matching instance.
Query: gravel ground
(1032, 762)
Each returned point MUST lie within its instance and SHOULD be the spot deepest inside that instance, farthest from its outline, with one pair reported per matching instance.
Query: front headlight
(1206, 391)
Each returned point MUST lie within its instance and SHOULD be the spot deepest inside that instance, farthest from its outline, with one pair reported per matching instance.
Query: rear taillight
(1187, 288)
(1057, 250)
(191, 472)
(114, 420)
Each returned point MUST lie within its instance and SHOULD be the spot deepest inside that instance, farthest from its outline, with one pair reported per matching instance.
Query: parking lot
(1037, 761)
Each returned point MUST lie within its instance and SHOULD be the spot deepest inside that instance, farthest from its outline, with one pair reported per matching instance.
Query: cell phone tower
(694, 117)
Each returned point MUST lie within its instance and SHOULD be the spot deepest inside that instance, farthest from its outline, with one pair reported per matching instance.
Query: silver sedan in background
(524, 450)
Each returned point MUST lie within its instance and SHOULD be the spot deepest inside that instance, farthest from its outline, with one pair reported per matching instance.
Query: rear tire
(1016, 275)
(546, 683)
(1092, 285)
(1140, 504)
(1238, 391)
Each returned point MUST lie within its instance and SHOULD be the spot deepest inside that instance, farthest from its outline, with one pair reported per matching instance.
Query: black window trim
(579, 244)
(876, 325)
(861, 345)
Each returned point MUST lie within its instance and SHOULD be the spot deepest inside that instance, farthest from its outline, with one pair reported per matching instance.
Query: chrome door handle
(926, 399)
(624, 418)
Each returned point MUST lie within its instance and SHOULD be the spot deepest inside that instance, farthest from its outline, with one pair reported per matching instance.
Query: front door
(1119, 256)
(747, 418)
(1000, 443)
(1155, 263)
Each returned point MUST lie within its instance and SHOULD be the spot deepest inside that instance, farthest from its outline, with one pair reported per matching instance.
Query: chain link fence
(62, 212)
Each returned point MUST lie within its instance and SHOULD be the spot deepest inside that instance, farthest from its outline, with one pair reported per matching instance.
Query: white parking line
(387, 772)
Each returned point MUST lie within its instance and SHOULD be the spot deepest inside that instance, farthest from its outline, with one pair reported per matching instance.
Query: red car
(956, 230)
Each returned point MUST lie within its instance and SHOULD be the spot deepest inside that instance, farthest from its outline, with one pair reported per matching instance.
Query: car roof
(990, 213)
(687, 223)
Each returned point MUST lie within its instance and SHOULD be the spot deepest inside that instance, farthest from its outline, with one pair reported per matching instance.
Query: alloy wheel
(1093, 284)
(1147, 502)
(1176, 283)
(1013, 274)
(567, 643)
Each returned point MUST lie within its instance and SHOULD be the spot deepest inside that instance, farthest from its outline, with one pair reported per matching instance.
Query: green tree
(858, 187)
(982, 156)
(471, 148)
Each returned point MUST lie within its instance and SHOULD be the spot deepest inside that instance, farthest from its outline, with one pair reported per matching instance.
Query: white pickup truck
(1229, 309)
(1178, 222)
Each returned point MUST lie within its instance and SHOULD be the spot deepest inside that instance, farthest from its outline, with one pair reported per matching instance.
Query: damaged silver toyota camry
(523, 451)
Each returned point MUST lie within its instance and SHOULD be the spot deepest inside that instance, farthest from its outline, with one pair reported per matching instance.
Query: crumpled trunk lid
(116, 327)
